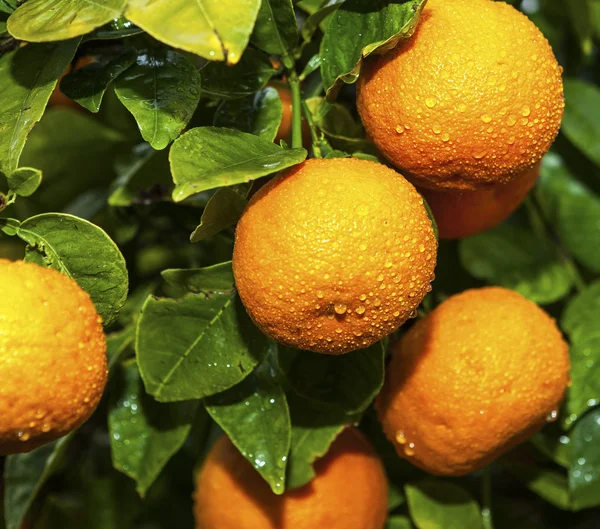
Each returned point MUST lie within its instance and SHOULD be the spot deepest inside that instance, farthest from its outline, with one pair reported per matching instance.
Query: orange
(52, 356)
(333, 255)
(465, 213)
(480, 374)
(474, 98)
(348, 492)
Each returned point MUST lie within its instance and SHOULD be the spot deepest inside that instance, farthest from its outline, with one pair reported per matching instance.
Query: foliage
(134, 188)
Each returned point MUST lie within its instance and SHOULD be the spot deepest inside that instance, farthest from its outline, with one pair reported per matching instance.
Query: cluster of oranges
(334, 255)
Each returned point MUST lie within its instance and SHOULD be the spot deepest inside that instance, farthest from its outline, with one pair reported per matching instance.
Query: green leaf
(222, 211)
(315, 425)
(580, 320)
(512, 257)
(162, 91)
(27, 77)
(117, 343)
(258, 114)
(144, 434)
(8, 6)
(88, 85)
(210, 280)
(316, 19)
(350, 381)
(24, 181)
(197, 346)
(360, 28)
(217, 30)
(26, 474)
(436, 504)
(255, 416)
(276, 30)
(143, 176)
(584, 474)
(573, 210)
(550, 485)
(49, 20)
(233, 82)
(75, 153)
(584, 391)
(582, 314)
(398, 522)
(581, 122)
(82, 251)
(209, 157)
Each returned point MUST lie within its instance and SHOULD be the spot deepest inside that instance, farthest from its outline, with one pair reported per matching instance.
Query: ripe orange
(465, 213)
(480, 374)
(474, 97)
(348, 492)
(52, 356)
(333, 255)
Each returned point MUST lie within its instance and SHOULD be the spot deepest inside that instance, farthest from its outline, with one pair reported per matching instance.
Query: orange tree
(133, 136)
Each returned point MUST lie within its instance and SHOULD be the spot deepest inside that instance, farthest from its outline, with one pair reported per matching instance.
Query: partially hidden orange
(349, 491)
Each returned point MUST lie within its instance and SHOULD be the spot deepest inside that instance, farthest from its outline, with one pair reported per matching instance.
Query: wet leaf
(162, 91)
(255, 416)
(209, 157)
(258, 114)
(197, 346)
(88, 85)
(584, 474)
(357, 29)
(144, 434)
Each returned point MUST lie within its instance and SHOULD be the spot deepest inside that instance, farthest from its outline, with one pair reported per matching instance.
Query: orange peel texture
(334, 255)
(52, 356)
(480, 374)
(473, 98)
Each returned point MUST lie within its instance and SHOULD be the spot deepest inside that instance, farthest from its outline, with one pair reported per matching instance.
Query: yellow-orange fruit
(333, 255)
(465, 213)
(474, 97)
(480, 374)
(52, 356)
(348, 492)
